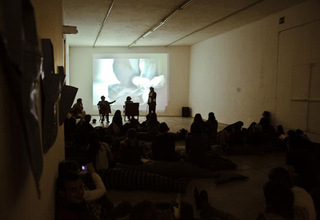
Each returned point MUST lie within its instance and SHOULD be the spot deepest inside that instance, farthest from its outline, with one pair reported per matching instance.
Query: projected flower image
(118, 78)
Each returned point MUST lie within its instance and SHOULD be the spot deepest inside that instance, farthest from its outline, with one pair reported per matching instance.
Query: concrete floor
(243, 199)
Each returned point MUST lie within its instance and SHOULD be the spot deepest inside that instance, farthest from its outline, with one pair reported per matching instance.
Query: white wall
(235, 74)
(81, 58)
(18, 194)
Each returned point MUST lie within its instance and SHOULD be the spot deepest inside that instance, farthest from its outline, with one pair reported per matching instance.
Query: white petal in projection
(158, 82)
(141, 82)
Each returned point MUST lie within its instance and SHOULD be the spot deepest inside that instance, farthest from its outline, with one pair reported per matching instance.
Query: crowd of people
(292, 193)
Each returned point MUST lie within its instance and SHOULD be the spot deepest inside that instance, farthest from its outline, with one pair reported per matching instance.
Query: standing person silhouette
(152, 100)
(104, 108)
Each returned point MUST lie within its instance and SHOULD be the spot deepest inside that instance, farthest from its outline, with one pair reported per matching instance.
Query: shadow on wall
(15, 160)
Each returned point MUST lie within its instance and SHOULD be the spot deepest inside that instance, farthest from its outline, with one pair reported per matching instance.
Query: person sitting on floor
(75, 199)
(302, 164)
(83, 129)
(212, 128)
(198, 118)
(153, 124)
(78, 109)
(301, 197)
(197, 154)
(196, 144)
(130, 149)
(280, 203)
(99, 153)
(69, 127)
(163, 145)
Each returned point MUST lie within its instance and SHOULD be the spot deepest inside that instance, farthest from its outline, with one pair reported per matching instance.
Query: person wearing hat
(163, 145)
(152, 100)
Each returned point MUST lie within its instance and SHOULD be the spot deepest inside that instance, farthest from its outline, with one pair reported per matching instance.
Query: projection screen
(117, 76)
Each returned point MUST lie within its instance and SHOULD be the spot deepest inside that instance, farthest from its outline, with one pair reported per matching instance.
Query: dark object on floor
(225, 177)
(182, 133)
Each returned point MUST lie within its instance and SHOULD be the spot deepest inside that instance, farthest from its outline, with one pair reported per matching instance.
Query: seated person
(130, 149)
(144, 123)
(211, 127)
(196, 144)
(280, 203)
(99, 153)
(265, 122)
(153, 124)
(198, 118)
(301, 197)
(76, 201)
(196, 148)
(83, 129)
(302, 162)
(72, 196)
(78, 109)
(163, 145)
(69, 127)
(134, 123)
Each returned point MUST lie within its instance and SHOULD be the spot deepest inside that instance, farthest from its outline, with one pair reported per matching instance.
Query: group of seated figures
(143, 156)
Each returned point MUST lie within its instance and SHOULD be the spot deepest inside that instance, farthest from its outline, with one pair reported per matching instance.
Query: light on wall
(69, 29)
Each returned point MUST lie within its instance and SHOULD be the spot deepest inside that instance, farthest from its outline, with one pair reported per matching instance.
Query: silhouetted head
(238, 126)
(117, 114)
(131, 133)
(280, 129)
(134, 122)
(296, 142)
(280, 175)
(151, 89)
(79, 100)
(163, 128)
(128, 98)
(299, 132)
(103, 98)
(266, 114)
(211, 116)
(198, 117)
(196, 128)
(279, 199)
(87, 118)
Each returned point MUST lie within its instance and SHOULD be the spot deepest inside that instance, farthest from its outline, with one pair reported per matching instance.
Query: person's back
(84, 129)
(196, 145)
(163, 148)
(280, 203)
(104, 157)
(301, 197)
(303, 162)
(130, 150)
